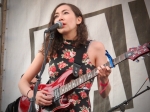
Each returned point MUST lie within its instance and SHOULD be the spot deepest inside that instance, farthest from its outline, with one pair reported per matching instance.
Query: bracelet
(102, 90)
(28, 93)
(104, 85)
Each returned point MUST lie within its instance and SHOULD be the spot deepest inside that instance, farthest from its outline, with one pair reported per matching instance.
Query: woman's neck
(70, 36)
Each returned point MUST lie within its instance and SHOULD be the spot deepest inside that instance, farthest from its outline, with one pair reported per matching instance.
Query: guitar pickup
(56, 94)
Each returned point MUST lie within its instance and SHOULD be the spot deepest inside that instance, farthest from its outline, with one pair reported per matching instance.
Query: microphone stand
(32, 100)
(122, 105)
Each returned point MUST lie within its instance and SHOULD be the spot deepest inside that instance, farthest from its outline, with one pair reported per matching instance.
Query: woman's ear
(79, 20)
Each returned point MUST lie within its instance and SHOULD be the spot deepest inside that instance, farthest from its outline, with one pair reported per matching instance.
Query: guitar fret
(66, 89)
(68, 86)
(118, 59)
(61, 90)
(79, 80)
(123, 57)
(94, 72)
(107, 64)
(115, 61)
(84, 78)
(74, 84)
(71, 85)
(89, 76)
(76, 81)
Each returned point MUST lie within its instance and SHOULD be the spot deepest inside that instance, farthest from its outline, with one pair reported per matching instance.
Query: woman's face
(65, 14)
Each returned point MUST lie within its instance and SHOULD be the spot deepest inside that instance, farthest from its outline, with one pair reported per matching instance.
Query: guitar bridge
(56, 94)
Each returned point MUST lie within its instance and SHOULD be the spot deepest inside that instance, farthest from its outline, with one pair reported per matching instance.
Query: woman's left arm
(103, 71)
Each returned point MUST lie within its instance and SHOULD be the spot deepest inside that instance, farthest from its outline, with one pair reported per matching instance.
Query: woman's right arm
(32, 71)
(24, 83)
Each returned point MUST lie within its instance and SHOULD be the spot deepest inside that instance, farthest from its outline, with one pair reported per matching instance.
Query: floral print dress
(63, 61)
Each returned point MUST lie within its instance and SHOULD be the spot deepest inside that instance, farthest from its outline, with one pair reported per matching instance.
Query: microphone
(58, 24)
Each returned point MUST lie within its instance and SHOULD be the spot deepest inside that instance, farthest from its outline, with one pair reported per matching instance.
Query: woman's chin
(63, 32)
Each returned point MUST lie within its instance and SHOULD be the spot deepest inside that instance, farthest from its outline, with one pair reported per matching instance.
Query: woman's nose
(60, 18)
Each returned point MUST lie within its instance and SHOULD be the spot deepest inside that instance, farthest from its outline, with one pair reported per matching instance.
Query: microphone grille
(59, 24)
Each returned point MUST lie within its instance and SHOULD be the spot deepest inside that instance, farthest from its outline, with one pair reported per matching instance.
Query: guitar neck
(118, 59)
(75, 83)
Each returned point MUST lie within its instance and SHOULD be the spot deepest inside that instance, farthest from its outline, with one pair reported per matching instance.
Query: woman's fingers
(103, 71)
(45, 102)
(43, 98)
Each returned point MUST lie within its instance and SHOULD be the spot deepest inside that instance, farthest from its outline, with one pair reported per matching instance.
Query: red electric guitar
(63, 85)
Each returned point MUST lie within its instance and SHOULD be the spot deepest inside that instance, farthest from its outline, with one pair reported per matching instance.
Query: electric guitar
(63, 85)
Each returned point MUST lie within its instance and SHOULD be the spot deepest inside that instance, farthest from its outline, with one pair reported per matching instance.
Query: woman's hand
(43, 98)
(103, 73)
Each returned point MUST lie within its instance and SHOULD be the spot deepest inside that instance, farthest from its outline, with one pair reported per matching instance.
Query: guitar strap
(78, 59)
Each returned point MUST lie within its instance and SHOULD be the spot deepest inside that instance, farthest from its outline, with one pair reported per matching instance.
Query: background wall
(118, 24)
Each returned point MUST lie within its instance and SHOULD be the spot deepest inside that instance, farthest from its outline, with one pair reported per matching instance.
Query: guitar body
(62, 103)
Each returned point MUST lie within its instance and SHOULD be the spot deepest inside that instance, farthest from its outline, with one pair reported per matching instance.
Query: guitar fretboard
(118, 59)
(75, 83)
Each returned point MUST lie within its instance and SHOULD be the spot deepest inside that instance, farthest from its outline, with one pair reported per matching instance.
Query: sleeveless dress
(63, 61)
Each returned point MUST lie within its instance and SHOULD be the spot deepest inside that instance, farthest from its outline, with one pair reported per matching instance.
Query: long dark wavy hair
(82, 33)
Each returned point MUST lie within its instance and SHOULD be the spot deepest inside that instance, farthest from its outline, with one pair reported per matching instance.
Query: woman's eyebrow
(61, 11)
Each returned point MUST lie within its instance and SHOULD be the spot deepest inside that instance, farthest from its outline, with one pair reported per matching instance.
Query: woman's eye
(65, 12)
(55, 16)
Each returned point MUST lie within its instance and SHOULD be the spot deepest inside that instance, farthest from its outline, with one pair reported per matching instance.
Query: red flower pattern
(67, 55)
(72, 110)
(71, 60)
(52, 71)
(86, 60)
(85, 56)
(52, 68)
(84, 109)
(83, 94)
(88, 84)
(75, 97)
(81, 85)
(62, 65)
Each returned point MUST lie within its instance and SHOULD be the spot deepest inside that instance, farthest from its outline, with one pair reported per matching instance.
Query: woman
(73, 35)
